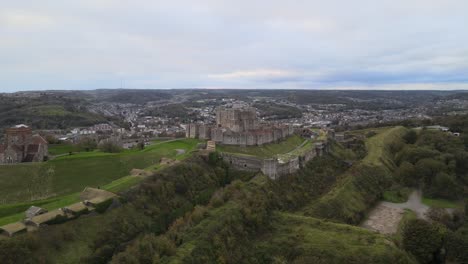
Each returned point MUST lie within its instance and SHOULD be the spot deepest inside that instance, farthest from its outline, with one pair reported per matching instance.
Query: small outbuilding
(34, 210)
(13, 229)
(92, 196)
(76, 209)
(51, 217)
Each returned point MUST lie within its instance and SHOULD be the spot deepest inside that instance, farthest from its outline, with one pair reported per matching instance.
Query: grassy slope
(306, 236)
(60, 149)
(442, 203)
(329, 242)
(71, 174)
(267, 150)
(348, 200)
(377, 147)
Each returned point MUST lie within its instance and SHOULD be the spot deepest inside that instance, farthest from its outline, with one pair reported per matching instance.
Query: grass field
(59, 149)
(15, 212)
(300, 150)
(267, 150)
(23, 185)
(441, 203)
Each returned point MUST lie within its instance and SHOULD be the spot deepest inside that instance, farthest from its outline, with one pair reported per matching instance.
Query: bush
(102, 207)
(86, 144)
(457, 246)
(410, 137)
(110, 147)
(423, 239)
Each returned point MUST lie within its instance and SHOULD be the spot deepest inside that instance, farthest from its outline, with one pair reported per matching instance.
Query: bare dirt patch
(384, 219)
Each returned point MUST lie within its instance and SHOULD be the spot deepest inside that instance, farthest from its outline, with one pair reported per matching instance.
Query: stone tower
(18, 135)
(237, 119)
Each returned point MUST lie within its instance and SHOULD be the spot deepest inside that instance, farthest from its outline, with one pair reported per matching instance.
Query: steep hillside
(363, 184)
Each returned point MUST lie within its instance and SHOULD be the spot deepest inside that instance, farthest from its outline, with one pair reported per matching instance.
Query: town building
(22, 146)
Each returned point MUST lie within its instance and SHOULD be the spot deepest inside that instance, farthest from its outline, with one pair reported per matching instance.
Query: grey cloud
(169, 44)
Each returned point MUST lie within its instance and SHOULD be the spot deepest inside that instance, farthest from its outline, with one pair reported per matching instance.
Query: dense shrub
(423, 239)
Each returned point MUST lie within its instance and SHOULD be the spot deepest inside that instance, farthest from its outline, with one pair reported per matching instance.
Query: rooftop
(44, 218)
(13, 228)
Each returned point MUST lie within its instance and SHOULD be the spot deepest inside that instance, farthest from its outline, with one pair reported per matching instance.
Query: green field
(267, 150)
(441, 203)
(23, 185)
(59, 149)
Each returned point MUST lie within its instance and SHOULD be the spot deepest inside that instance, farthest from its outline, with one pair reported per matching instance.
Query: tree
(423, 239)
(457, 246)
(405, 174)
(141, 145)
(86, 144)
(427, 169)
(443, 186)
(109, 146)
(410, 137)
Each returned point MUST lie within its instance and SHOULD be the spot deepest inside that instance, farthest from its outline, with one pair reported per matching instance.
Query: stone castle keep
(238, 126)
(22, 146)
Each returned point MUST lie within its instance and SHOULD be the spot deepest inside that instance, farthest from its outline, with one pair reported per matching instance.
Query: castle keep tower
(237, 119)
(238, 126)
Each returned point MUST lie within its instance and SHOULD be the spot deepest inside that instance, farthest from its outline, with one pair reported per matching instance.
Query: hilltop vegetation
(47, 111)
(277, 111)
(362, 185)
(172, 111)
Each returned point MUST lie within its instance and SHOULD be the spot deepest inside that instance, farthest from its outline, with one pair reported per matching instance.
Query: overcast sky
(355, 44)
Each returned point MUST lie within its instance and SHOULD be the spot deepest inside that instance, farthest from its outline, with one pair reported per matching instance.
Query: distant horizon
(267, 89)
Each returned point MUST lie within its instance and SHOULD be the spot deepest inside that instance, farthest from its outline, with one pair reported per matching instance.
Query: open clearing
(267, 150)
(384, 219)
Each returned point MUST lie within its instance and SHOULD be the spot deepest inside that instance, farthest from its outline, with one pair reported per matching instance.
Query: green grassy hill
(48, 111)
(363, 184)
(318, 241)
(236, 232)
(23, 185)
(204, 212)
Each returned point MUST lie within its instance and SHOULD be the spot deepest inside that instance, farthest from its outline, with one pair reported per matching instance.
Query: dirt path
(414, 203)
(386, 216)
